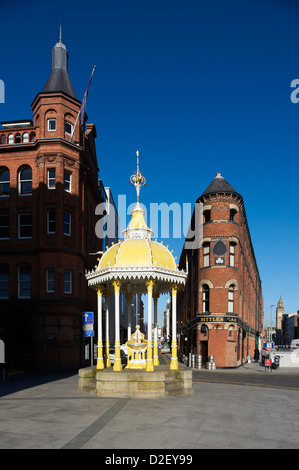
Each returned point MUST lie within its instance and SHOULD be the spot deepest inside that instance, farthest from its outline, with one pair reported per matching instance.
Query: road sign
(268, 363)
(88, 324)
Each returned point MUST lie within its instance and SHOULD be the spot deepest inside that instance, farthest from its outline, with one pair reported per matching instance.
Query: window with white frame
(205, 298)
(67, 223)
(50, 280)
(67, 282)
(11, 139)
(25, 138)
(4, 282)
(206, 254)
(25, 225)
(68, 127)
(4, 225)
(67, 181)
(24, 281)
(51, 221)
(25, 180)
(232, 254)
(231, 291)
(51, 178)
(51, 124)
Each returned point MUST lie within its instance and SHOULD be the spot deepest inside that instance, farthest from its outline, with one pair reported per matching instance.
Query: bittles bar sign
(217, 319)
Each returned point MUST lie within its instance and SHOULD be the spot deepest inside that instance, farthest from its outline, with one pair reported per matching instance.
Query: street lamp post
(271, 324)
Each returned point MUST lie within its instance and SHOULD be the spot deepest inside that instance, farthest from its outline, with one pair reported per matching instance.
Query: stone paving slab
(49, 412)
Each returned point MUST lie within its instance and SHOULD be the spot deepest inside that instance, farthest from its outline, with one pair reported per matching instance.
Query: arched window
(25, 180)
(205, 298)
(204, 330)
(3, 139)
(25, 138)
(18, 138)
(230, 330)
(231, 292)
(10, 139)
(4, 181)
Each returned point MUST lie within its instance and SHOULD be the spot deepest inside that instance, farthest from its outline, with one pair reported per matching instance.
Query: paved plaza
(48, 412)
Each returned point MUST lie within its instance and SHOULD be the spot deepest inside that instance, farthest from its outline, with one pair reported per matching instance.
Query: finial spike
(60, 34)
(137, 179)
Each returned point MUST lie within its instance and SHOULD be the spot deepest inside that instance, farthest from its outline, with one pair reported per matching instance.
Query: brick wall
(229, 343)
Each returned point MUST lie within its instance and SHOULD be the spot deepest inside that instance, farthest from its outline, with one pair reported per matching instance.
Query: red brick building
(221, 310)
(49, 189)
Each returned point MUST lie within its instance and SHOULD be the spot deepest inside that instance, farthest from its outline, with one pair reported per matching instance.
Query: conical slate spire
(219, 185)
(59, 80)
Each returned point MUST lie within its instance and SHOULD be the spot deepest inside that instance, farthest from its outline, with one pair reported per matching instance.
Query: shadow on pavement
(32, 380)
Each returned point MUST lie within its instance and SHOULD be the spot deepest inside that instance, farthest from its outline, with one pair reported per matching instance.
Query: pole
(85, 94)
(271, 324)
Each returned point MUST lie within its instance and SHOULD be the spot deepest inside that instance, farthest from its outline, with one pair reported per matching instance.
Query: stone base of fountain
(134, 383)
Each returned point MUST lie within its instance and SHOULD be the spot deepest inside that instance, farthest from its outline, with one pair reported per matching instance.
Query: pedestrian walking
(256, 355)
(264, 352)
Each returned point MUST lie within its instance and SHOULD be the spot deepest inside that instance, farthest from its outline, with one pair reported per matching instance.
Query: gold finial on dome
(137, 179)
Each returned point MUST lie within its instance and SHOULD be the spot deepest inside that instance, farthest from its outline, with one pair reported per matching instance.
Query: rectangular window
(51, 124)
(4, 225)
(50, 280)
(68, 127)
(206, 216)
(206, 299)
(25, 225)
(230, 301)
(4, 282)
(51, 222)
(206, 255)
(67, 282)
(4, 182)
(232, 254)
(67, 181)
(67, 224)
(24, 281)
(51, 179)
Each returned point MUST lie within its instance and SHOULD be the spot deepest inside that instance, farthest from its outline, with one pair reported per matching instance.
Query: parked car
(123, 356)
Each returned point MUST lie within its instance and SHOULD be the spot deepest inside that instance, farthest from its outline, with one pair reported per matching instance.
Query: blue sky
(198, 87)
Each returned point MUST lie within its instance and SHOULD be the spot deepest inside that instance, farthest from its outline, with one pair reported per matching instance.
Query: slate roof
(59, 81)
(219, 185)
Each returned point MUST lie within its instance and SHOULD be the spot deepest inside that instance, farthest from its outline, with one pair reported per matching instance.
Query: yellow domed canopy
(138, 252)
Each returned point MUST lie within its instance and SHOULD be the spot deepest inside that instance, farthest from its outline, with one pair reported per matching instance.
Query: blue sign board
(268, 345)
(88, 333)
(88, 324)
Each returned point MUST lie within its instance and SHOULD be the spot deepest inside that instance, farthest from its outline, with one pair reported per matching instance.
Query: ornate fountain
(137, 347)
